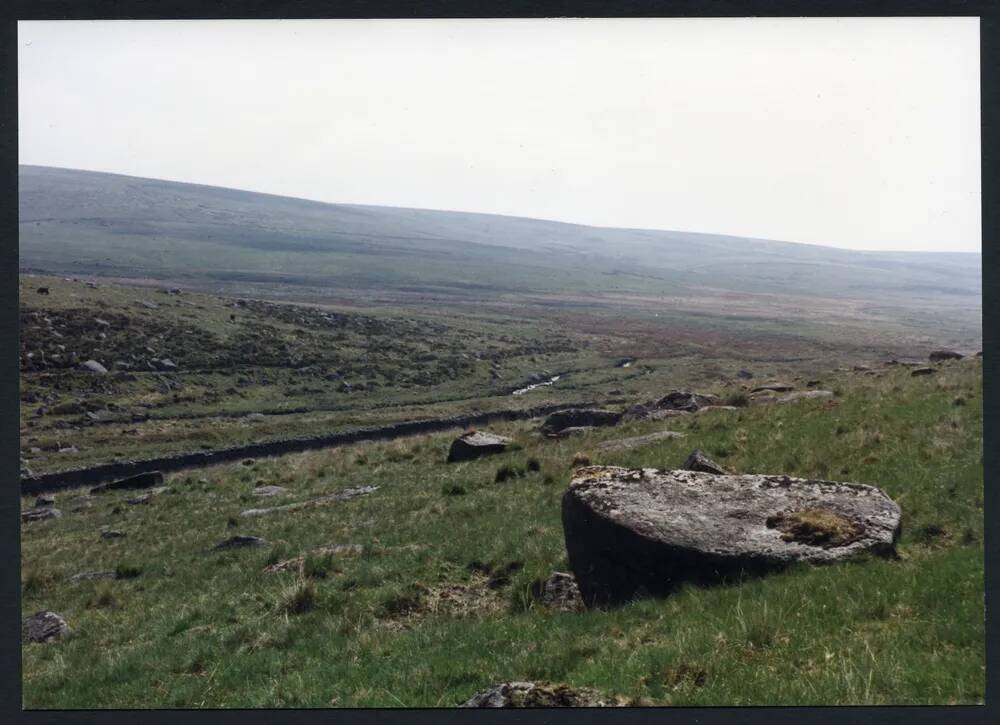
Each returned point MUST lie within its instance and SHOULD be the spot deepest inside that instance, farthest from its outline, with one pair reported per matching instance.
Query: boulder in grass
(942, 355)
(476, 444)
(641, 532)
(559, 593)
(43, 626)
(698, 461)
(919, 372)
(537, 694)
(577, 418)
(239, 542)
(94, 367)
(142, 480)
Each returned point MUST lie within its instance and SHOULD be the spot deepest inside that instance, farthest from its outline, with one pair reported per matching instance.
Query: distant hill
(84, 222)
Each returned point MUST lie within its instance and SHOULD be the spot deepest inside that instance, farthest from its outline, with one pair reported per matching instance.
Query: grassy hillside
(412, 619)
(87, 222)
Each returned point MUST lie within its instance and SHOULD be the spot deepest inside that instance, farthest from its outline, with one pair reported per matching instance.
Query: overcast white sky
(859, 133)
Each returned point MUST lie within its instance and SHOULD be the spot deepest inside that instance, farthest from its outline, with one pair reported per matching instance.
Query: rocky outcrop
(698, 461)
(678, 402)
(578, 417)
(640, 532)
(942, 355)
(43, 626)
(537, 694)
(476, 444)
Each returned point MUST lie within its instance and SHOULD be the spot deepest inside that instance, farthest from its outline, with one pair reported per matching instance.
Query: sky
(856, 133)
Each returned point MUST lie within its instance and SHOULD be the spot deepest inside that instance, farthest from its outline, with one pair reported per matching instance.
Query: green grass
(412, 621)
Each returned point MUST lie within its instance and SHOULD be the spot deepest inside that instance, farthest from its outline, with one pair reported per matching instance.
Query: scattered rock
(475, 445)
(347, 493)
(270, 491)
(942, 355)
(40, 514)
(813, 383)
(537, 694)
(577, 417)
(239, 542)
(573, 430)
(42, 290)
(142, 480)
(94, 367)
(559, 592)
(917, 372)
(636, 442)
(108, 535)
(773, 387)
(744, 375)
(149, 305)
(639, 532)
(44, 501)
(43, 626)
(698, 461)
(805, 395)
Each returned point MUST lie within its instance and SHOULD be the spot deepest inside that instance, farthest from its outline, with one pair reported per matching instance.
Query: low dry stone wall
(59, 480)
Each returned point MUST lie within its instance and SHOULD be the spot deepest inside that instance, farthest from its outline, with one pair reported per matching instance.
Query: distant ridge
(89, 222)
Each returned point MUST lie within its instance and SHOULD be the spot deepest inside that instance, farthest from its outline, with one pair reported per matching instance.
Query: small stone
(559, 592)
(475, 445)
(269, 491)
(108, 535)
(94, 367)
(43, 626)
(537, 694)
(40, 514)
(698, 461)
(44, 501)
(918, 372)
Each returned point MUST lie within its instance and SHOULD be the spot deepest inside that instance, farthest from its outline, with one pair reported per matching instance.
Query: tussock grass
(411, 621)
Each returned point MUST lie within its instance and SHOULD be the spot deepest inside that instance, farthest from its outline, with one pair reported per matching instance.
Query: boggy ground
(436, 603)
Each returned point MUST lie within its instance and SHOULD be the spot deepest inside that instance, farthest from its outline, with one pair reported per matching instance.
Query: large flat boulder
(577, 418)
(640, 532)
(475, 445)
